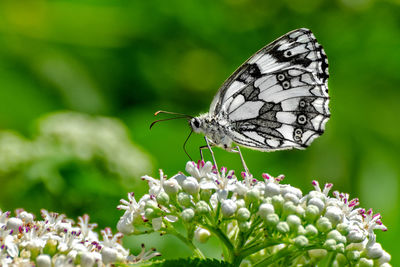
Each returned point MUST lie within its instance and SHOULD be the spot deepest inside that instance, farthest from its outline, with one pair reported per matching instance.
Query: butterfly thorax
(215, 129)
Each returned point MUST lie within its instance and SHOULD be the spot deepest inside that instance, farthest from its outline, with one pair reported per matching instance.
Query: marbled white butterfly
(277, 99)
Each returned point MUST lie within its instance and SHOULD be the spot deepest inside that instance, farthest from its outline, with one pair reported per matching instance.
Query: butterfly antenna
(154, 122)
(172, 113)
(184, 145)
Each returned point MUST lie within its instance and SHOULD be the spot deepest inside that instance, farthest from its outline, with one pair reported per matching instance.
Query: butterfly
(277, 99)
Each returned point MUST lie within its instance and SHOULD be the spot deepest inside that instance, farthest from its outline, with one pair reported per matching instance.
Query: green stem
(332, 258)
(273, 258)
(189, 243)
(170, 230)
(224, 240)
(255, 248)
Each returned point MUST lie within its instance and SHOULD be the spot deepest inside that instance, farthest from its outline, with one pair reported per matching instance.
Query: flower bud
(334, 234)
(265, 209)
(272, 189)
(228, 207)
(240, 203)
(244, 226)
(43, 260)
(317, 254)
(202, 235)
(341, 260)
(289, 208)
(340, 248)
(202, 208)
(384, 259)
(318, 203)
(253, 195)
(312, 213)
(125, 226)
(301, 230)
(205, 194)
(272, 219)
(375, 251)
(278, 201)
(300, 211)
(283, 227)
(330, 244)
(87, 259)
(294, 221)
(191, 186)
(364, 262)
(243, 214)
(246, 263)
(292, 197)
(311, 230)
(353, 255)
(163, 199)
(26, 217)
(334, 214)
(355, 235)
(150, 213)
(108, 255)
(343, 228)
(171, 187)
(301, 241)
(14, 224)
(151, 204)
(316, 194)
(287, 189)
(187, 215)
(324, 225)
(51, 247)
(184, 199)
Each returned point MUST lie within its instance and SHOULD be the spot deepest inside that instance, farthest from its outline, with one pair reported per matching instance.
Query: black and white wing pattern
(278, 99)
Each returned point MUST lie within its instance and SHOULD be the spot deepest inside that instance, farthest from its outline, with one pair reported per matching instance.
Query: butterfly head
(198, 123)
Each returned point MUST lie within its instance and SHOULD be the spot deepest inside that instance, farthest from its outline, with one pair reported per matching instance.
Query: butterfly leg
(242, 159)
(208, 146)
(201, 151)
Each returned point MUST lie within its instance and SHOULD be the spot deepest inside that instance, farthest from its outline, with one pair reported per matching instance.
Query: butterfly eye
(196, 123)
(287, 53)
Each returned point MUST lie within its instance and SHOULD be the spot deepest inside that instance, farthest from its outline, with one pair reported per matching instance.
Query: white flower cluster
(57, 241)
(79, 136)
(258, 221)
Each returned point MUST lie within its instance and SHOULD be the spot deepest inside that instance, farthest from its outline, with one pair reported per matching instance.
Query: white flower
(113, 242)
(201, 170)
(133, 211)
(4, 217)
(32, 238)
(143, 255)
(86, 228)
(228, 207)
(69, 241)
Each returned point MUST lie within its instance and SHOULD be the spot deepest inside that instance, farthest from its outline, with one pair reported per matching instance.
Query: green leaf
(192, 262)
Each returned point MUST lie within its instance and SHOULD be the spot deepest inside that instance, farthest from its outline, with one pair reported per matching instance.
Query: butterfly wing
(278, 99)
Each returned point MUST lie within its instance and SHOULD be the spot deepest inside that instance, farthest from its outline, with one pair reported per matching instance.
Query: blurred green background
(65, 63)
